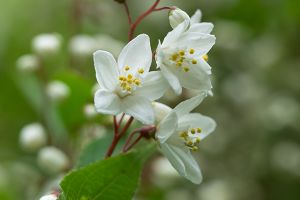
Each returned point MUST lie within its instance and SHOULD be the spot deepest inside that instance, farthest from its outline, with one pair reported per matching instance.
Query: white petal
(199, 41)
(175, 34)
(201, 28)
(188, 105)
(139, 107)
(107, 102)
(172, 79)
(167, 127)
(137, 53)
(207, 124)
(153, 86)
(106, 69)
(196, 18)
(182, 160)
(196, 78)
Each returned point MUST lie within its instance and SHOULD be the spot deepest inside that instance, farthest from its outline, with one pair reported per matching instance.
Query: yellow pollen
(186, 69)
(128, 88)
(192, 51)
(181, 52)
(205, 57)
(190, 143)
(141, 71)
(127, 68)
(174, 57)
(194, 148)
(122, 78)
(193, 131)
(198, 140)
(199, 130)
(194, 61)
(183, 134)
(178, 63)
(129, 76)
(137, 81)
(129, 81)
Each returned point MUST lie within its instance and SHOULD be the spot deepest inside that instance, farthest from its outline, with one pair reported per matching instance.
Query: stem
(127, 12)
(163, 8)
(125, 149)
(117, 136)
(140, 18)
(121, 119)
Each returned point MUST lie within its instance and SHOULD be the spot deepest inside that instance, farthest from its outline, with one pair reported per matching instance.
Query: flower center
(191, 138)
(184, 59)
(128, 81)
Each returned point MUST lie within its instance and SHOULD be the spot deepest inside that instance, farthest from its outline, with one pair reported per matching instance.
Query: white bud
(57, 90)
(27, 63)
(177, 16)
(52, 160)
(49, 197)
(46, 44)
(82, 45)
(33, 137)
(89, 111)
(160, 111)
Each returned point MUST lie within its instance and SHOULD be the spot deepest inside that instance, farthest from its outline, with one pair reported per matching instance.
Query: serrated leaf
(114, 178)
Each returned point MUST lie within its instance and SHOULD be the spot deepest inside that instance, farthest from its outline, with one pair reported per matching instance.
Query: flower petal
(139, 107)
(201, 27)
(199, 41)
(167, 127)
(172, 79)
(107, 102)
(175, 34)
(196, 18)
(183, 161)
(207, 124)
(188, 105)
(153, 87)
(137, 53)
(106, 69)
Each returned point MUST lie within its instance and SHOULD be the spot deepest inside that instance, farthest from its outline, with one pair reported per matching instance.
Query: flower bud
(57, 90)
(27, 63)
(177, 16)
(82, 45)
(33, 137)
(46, 44)
(52, 160)
(89, 111)
(49, 197)
(160, 111)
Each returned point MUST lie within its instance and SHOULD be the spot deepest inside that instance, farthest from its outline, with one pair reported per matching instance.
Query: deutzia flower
(182, 55)
(180, 132)
(127, 85)
(177, 16)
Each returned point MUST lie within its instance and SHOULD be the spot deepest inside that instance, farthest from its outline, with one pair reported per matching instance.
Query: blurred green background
(253, 154)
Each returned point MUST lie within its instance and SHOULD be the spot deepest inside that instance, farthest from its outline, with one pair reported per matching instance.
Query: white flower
(182, 55)
(82, 45)
(89, 111)
(180, 132)
(52, 159)
(46, 44)
(127, 85)
(33, 136)
(28, 63)
(49, 197)
(57, 90)
(177, 16)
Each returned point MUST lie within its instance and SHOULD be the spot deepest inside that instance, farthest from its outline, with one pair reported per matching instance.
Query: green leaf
(114, 178)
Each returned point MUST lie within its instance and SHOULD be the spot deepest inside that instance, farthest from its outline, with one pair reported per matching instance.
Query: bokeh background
(253, 154)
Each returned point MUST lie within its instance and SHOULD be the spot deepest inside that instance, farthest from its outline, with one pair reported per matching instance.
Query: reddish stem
(121, 119)
(140, 18)
(127, 12)
(163, 8)
(117, 135)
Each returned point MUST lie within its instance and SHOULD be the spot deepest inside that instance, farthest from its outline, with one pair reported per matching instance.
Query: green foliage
(110, 179)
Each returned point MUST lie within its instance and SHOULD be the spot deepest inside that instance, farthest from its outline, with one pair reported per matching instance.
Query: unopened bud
(46, 44)
(27, 63)
(177, 16)
(49, 197)
(52, 160)
(33, 137)
(160, 111)
(82, 45)
(57, 90)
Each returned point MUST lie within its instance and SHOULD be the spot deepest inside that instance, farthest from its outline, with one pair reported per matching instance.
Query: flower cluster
(128, 86)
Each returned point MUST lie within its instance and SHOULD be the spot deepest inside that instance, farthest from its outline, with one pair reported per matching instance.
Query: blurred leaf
(110, 179)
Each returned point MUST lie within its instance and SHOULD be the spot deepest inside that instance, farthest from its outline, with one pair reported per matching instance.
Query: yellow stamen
(194, 148)
(141, 71)
(129, 76)
(205, 57)
(181, 52)
(199, 130)
(137, 82)
(198, 140)
(193, 131)
(186, 69)
(174, 57)
(127, 68)
(194, 61)
(192, 51)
